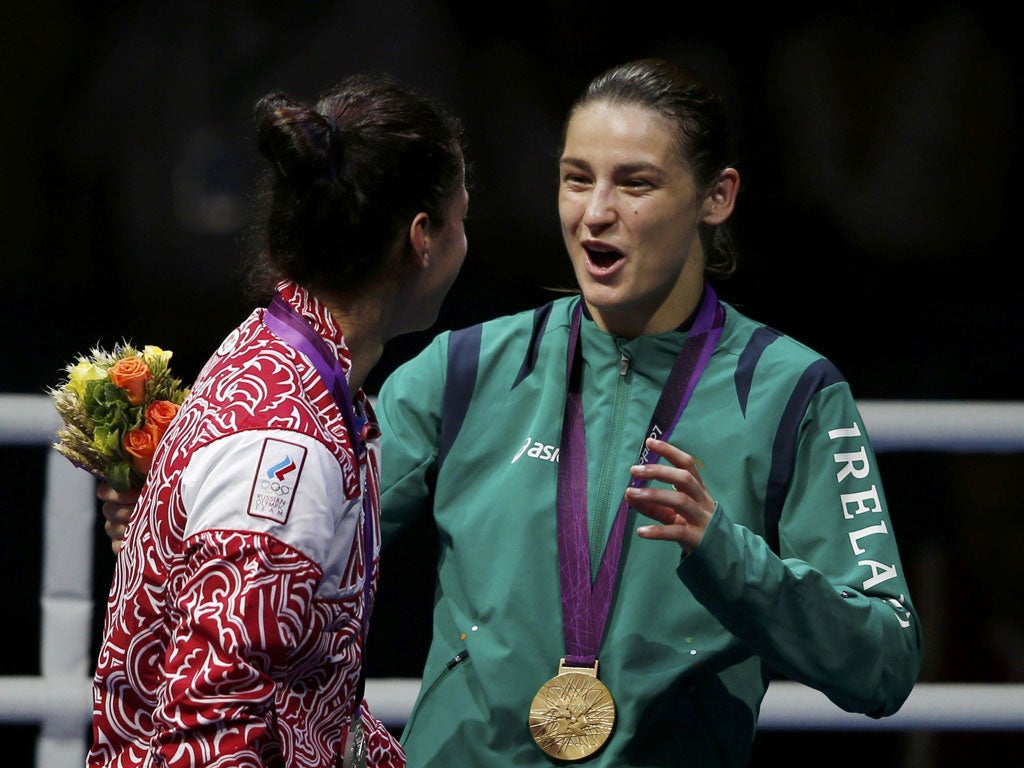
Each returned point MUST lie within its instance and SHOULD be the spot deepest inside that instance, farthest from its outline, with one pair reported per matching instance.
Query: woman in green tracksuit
(603, 596)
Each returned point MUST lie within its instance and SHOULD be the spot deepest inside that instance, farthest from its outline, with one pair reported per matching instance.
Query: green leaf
(107, 440)
(119, 477)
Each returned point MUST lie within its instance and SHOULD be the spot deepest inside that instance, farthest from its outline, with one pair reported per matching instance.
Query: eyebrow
(624, 168)
(574, 161)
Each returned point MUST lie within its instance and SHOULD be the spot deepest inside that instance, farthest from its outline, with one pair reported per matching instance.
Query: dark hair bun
(348, 174)
(300, 142)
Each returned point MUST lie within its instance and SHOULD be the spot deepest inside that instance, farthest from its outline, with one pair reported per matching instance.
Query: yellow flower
(85, 371)
(97, 415)
(154, 355)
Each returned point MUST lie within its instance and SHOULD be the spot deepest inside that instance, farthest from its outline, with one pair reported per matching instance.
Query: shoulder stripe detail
(815, 378)
(744, 377)
(463, 357)
(540, 322)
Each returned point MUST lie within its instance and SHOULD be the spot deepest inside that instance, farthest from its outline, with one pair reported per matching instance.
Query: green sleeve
(834, 611)
(409, 412)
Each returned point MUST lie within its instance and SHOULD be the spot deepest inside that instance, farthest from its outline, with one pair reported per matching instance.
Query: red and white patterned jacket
(234, 624)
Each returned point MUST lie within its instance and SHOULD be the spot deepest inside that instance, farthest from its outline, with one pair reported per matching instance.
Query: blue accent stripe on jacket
(744, 376)
(463, 358)
(540, 322)
(818, 375)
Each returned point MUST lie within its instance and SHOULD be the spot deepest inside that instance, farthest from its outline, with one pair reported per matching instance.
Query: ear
(419, 240)
(718, 205)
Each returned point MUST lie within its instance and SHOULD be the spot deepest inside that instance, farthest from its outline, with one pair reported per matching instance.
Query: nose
(600, 211)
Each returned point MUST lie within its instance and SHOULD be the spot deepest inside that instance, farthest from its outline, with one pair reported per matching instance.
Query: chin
(414, 323)
(600, 297)
(428, 320)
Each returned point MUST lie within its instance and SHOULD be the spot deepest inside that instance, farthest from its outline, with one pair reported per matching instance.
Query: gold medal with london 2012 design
(573, 713)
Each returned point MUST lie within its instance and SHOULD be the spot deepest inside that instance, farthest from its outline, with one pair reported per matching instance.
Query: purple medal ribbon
(585, 605)
(291, 327)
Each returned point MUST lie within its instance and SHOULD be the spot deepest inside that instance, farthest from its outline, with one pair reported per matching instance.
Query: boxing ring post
(58, 699)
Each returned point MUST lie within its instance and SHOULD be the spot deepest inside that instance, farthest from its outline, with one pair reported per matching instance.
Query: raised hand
(683, 510)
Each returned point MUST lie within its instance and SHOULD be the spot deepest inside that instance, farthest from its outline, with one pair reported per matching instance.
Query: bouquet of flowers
(115, 407)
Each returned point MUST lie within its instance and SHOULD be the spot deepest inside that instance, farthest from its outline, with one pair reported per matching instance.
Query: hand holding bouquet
(115, 407)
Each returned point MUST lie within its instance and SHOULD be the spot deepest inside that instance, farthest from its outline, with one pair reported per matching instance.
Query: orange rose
(130, 374)
(160, 413)
(140, 444)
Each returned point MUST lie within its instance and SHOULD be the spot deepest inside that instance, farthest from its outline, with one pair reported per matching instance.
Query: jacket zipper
(451, 664)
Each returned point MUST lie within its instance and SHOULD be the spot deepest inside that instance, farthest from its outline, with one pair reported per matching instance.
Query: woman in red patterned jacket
(237, 617)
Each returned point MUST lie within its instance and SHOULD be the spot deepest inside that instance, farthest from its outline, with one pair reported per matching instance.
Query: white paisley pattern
(225, 644)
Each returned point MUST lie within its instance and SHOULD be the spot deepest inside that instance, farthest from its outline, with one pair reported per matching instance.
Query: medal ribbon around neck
(585, 605)
(293, 329)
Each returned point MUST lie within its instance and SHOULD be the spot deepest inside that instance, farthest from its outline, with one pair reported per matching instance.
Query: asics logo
(537, 450)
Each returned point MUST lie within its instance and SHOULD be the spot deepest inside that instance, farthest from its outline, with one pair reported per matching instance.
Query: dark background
(878, 145)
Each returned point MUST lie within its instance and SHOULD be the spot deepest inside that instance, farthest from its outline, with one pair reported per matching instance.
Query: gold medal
(573, 713)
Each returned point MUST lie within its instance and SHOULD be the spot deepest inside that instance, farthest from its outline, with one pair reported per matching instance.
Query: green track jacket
(798, 573)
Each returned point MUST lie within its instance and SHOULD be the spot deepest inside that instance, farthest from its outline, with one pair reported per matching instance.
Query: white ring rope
(59, 699)
(951, 427)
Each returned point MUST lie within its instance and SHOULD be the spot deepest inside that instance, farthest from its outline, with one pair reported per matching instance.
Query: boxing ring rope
(59, 698)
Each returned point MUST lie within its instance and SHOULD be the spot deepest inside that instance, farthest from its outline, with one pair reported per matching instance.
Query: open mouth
(602, 256)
